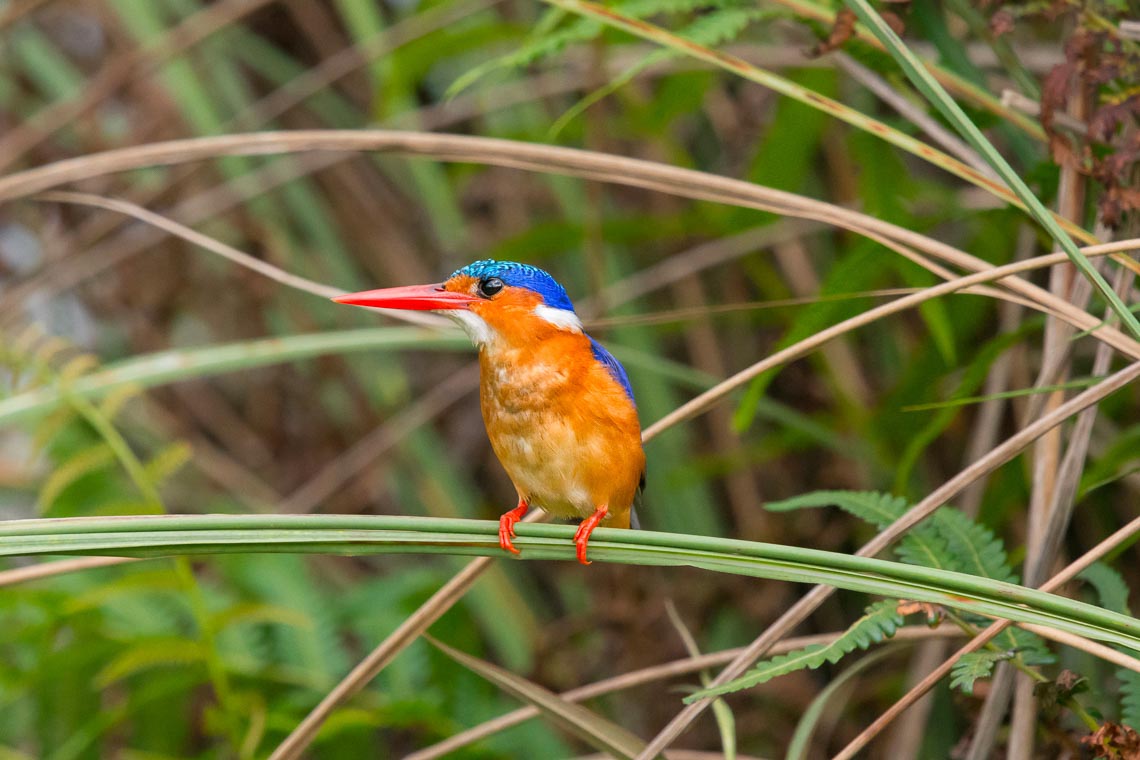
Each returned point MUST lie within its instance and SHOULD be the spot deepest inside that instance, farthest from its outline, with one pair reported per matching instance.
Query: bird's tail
(638, 498)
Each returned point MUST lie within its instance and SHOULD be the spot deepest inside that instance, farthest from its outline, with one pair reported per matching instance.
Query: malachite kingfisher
(558, 407)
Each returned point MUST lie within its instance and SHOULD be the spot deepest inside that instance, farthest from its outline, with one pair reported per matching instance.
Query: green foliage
(948, 540)
(880, 622)
(718, 22)
(1113, 593)
(973, 666)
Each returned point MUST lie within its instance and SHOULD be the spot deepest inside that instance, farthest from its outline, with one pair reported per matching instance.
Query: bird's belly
(549, 463)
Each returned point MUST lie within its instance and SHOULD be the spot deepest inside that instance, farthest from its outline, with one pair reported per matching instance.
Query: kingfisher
(558, 407)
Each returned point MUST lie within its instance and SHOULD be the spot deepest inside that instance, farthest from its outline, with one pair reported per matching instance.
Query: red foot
(582, 537)
(507, 526)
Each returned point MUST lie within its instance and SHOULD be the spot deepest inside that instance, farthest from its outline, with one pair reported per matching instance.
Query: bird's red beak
(411, 297)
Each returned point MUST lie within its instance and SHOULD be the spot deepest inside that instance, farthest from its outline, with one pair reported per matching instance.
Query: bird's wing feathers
(613, 366)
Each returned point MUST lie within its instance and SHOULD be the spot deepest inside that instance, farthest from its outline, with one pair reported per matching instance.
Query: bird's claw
(507, 527)
(585, 528)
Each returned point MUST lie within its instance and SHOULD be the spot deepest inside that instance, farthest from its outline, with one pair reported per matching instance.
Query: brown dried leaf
(1108, 118)
(934, 613)
(1117, 201)
(1058, 9)
(1055, 92)
(1113, 740)
(841, 31)
(1001, 23)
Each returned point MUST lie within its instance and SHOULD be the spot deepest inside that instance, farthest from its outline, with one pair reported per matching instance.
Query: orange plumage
(558, 409)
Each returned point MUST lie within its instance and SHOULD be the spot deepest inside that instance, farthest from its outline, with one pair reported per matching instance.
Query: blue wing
(613, 366)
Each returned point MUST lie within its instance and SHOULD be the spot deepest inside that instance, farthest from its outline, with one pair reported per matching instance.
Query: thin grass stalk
(128, 67)
(785, 87)
(887, 93)
(367, 669)
(646, 174)
(798, 612)
(57, 567)
(226, 251)
(1046, 485)
(933, 91)
(1071, 571)
(834, 108)
(649, 675)
(951, 81)
(171, 366)
(700, 403)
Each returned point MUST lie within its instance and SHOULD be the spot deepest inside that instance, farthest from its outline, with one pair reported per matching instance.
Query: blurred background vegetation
(223, 657)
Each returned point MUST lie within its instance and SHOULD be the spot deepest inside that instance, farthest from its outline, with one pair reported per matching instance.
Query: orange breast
(563, 428)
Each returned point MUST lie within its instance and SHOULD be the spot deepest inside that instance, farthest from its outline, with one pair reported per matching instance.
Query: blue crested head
(553, 295)
(517, 275)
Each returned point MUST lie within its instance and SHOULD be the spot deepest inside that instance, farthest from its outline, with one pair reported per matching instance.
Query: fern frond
(538, 46)
(1129, 697)
(84, 462)
(154, 653)
(1113, 592)
(252, 613)
(168, 461)
(722, 26)
(924, 547)
(975, 548)
(973, 666)
(880, 622)
(879, 509)
(125, 586)
(1030, 648)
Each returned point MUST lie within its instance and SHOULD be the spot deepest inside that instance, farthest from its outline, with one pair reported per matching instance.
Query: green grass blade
(934, 92)
(183, 364)
(588, 726)
(789, 89)
(176, 535)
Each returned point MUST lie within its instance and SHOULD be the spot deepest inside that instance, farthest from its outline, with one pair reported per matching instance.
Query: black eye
(490, 286)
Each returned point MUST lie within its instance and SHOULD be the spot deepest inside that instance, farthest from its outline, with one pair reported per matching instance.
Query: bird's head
(491, 300)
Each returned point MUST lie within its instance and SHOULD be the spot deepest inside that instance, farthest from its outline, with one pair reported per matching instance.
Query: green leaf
(974, 547)
(929, 87)
(250, 613)
(973, 666)
(880, 622)
(588, 726)
(1110, 587)
(153, 653)
(879, 509)
(800, 744)
(182, 364)
(84, 462)
(181, 535)
(1113, 593)
(168, 461)
(158, 579)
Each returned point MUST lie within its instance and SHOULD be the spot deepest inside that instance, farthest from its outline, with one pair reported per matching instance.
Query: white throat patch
(475, 326)
(560, 318)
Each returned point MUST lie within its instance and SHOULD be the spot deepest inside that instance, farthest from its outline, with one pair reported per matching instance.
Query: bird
(558, 407)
